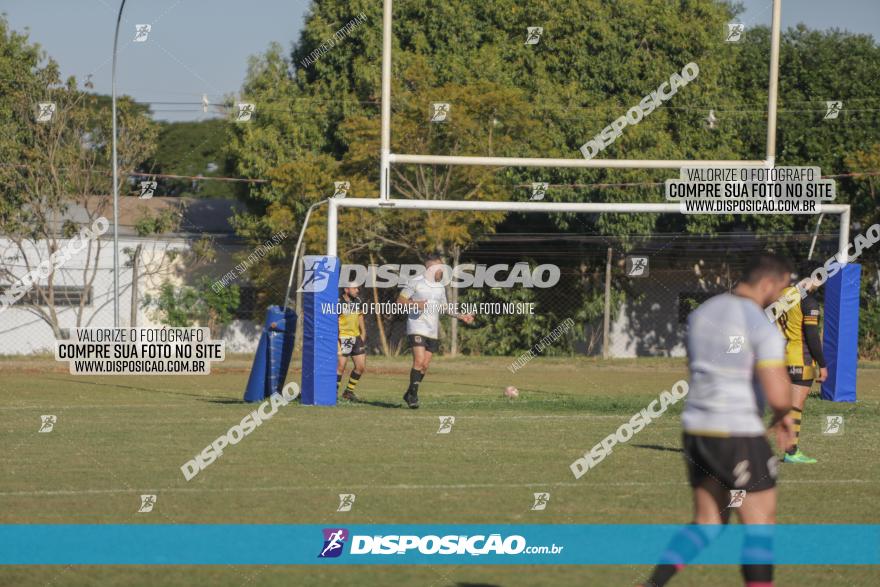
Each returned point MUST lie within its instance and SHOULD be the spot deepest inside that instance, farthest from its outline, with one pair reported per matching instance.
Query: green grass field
(119, 437)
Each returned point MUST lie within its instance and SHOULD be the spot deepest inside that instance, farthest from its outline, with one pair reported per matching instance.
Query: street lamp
(115, 179)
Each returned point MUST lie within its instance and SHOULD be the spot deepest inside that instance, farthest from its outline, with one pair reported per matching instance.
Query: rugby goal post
(320, 331)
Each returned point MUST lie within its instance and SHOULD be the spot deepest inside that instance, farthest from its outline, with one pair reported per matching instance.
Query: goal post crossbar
(387, 157)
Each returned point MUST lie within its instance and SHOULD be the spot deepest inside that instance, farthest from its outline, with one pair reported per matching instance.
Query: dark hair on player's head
(765, 265)
(433, 257)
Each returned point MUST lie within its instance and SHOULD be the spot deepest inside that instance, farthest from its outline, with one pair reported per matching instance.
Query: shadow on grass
(377, 404)
(202, 397)
(658, 447)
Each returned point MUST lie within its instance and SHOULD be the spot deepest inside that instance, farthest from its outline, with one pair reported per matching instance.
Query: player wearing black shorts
(736, 363)
(803, 357)
(352, 341)
(428, 295)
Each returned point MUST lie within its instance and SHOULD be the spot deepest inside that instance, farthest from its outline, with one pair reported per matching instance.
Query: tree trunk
(135, 262)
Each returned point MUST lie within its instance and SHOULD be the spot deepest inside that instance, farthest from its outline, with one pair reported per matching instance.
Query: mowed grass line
(118, 437)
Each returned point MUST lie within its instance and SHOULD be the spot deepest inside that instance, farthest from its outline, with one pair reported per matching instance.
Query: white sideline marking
(390, 487)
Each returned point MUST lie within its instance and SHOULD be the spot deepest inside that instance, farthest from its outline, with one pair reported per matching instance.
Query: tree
(185, 305)
(53, 160)
(193, 149)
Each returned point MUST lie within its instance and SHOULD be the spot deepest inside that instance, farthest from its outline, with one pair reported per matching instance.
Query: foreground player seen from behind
(736, 359)
(428, 296)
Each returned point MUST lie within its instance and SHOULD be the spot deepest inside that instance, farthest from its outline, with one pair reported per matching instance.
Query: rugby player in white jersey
(428, 295)
(736, 358)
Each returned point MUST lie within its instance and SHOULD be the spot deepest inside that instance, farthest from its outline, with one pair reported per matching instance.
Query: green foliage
(193, 149)
(151, 223)
(185, 306)
(507, 335)
(869, 323)
(176, 307)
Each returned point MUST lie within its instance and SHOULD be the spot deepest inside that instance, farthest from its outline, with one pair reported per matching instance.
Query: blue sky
(201, 46)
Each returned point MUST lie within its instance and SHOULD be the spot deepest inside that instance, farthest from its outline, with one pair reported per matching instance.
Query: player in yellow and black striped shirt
(352, 340)
(803, 357)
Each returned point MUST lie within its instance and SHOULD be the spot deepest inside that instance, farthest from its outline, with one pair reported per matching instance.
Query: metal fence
(617, 299)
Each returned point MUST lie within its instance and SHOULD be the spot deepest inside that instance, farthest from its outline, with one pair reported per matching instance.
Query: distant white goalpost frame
(387, 157)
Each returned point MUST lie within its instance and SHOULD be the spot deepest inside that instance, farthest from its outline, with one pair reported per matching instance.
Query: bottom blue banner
(171, 544)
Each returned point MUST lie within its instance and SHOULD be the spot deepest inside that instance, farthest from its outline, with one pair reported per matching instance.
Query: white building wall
(24, 332)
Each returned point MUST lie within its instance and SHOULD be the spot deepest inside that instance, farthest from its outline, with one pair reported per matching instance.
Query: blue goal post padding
(841, 333)
(273, 355)
(320, 289)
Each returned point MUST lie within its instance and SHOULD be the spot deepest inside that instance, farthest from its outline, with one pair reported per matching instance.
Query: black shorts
(736, 462)
(432, 345)
(351, 346)
(801, 375)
